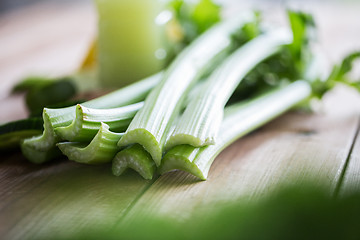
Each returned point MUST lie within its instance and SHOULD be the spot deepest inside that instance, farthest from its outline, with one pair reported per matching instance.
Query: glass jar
(130, 40)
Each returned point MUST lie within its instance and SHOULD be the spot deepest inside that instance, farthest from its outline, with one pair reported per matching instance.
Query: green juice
(131, 41)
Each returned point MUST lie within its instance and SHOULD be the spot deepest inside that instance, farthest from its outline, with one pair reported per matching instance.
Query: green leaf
(205, 14)
(339, 74)
(340, 71)
(56, 92)
(303, 28)
(31, 83)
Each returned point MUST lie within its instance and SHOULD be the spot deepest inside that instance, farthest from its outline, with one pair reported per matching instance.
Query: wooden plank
(63, 197)
(293, 149)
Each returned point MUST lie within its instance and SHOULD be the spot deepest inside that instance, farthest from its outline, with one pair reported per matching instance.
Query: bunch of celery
(233, 78)
(261, 70)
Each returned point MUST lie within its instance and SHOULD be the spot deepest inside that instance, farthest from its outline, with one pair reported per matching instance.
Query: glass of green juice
(131, 40)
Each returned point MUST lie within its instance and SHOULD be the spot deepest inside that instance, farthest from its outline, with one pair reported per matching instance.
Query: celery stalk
(42, 148)
(151, 124)
(136, 158)
(239, 120)
(88, 121)
(202, 118)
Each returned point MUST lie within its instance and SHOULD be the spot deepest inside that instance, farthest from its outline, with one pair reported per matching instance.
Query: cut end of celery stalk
(181, 139)
(136, 158)
(101, 149)
(41, 148)
(71, 131)
(173, 160)
(87, 121)
(37, 156)
(146, 140)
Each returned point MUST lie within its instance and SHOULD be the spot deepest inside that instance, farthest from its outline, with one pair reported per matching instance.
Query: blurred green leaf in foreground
(291, 212)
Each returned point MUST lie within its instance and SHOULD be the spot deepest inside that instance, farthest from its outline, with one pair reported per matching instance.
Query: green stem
(239, 120)
(42, 148)
(88, 121)
(152, 123)
(202, 118)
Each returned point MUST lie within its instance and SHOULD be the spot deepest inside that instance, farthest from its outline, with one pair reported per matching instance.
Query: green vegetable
(136, 158)
(42, 148)
(151, 124)
(339, 74)
(88, 121)
(201, 120)
(101, 149)
(195, 17)
(239, 120)
(54, 92)
(12, 133)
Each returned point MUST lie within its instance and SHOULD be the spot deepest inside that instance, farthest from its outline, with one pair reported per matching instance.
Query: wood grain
(63, 198)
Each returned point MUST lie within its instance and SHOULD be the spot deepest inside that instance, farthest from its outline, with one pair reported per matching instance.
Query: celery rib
(88, 121)
(202, 118)
(42, 148)
(101, 149)
(151, 124)
(239, 120)
(136, 158)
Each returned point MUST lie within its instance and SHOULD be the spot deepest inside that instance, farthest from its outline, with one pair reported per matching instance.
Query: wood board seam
(134, 202)
(340, 182)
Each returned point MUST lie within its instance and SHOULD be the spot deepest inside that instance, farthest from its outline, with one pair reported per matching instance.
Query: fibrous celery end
(181, 138)
(136, 158)
(38, 156)
(71, 131)
(145, 139)
(174, 161)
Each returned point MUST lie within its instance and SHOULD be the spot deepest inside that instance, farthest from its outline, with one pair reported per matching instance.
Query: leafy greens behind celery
(288, 65)
(339, 74)
(191, 19)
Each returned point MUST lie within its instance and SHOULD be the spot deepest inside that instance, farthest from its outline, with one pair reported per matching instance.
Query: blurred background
(8, 5)
(51, 37)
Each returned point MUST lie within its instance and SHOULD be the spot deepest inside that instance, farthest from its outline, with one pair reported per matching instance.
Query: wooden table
(64, 196)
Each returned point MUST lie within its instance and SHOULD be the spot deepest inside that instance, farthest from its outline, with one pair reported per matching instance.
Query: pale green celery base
(146, 140)
(239, 120)
(101, 149)
(181, 139)
(136, 158)
(69, 132)
(37, 156)
(182, 161)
